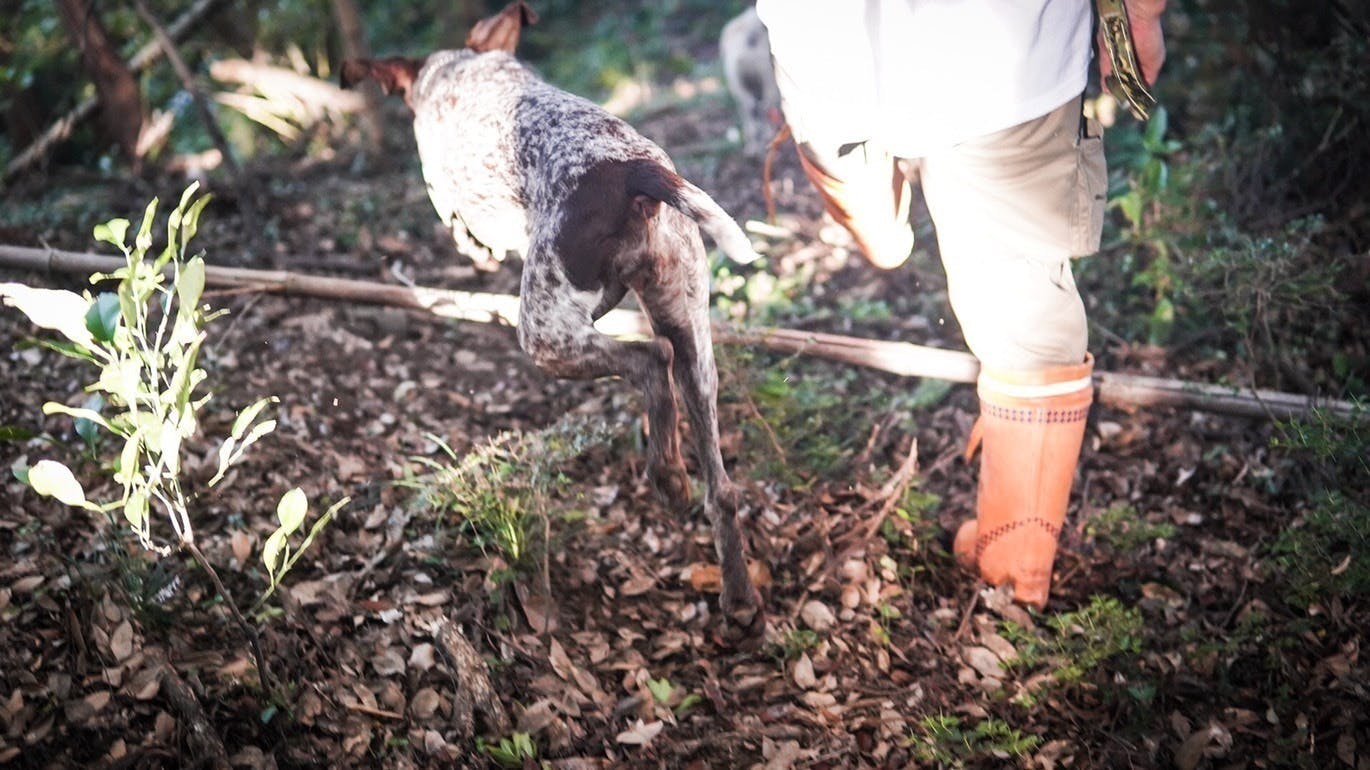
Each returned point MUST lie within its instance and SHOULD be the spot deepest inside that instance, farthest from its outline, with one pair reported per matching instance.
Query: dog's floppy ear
(394, 75)
(501, 31)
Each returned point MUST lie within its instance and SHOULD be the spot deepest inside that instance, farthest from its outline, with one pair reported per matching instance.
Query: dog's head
(396, 74)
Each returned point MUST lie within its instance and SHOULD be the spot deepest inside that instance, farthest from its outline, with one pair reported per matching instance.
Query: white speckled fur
(515, 164)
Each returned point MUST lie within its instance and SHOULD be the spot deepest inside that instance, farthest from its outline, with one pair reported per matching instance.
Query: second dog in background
(745, 49)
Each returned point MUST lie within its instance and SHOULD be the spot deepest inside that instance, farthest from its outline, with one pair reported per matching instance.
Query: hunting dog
(514, 164)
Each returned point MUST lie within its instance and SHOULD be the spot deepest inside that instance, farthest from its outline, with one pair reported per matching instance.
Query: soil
(1170, 638)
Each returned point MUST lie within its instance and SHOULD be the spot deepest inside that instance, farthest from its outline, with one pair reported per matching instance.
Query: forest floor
(1176, 635)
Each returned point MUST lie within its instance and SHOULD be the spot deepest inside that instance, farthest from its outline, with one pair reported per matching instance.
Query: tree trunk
(121, 100)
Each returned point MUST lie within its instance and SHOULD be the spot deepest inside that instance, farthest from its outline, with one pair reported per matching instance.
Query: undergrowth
(805, 421)
(500, 492)
(1074, 645)
(1322, 551)
(949, 742)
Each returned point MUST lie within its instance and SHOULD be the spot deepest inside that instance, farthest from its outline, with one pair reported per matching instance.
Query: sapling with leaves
(145, 338)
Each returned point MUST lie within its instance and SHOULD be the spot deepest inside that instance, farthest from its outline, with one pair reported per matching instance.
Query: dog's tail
(655, 181)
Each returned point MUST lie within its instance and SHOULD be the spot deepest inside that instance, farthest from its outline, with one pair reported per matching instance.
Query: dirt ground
(1169, 640)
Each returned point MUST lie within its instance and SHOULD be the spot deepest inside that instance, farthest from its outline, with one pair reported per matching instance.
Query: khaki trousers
(1010, 210)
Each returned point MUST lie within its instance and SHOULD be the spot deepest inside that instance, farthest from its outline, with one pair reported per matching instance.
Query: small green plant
(500, 490)
(1147, 199)
(947, 741)
(672, 696)
(799, 425)
(1125, 530)
(513, 751)
(1073, 644)
(145, 338)
(794, 643)
(1322, 551)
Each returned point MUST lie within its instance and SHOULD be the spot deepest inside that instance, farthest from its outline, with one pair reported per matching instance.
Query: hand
(1144, 16)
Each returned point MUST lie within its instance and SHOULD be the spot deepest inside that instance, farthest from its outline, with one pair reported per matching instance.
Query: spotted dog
(514, 164)
(745, 48)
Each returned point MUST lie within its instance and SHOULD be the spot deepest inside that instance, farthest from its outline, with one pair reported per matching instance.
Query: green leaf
(292, 509)
(144, 240)
(191, 222)
(248, 414)
(170, 446)
(687, 703)
(190, 285)
(86, 427)
(259, 430)
(661, 689)
(225, 459)
(102, 319)
(1156, 127)
(271, 552)
(80, 413)
(56, 309)
(185, 197)
(128, 460)
(50, 478)
(15, 433)
(112, 232)
(135, 510)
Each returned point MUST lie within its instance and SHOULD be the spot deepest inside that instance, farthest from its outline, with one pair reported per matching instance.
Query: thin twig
(361, 708)
(766, 426)
(263, 674)
(965, 617)
(893, 490)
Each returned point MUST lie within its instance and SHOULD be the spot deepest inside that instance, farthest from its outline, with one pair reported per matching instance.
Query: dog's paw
(672, 485)
(744, 623)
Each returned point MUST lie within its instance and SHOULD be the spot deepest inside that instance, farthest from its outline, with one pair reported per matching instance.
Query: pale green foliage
(512, 752)
(145, 337)
(943, 739)
(277, 554)
(500, 488)
(1105, 635)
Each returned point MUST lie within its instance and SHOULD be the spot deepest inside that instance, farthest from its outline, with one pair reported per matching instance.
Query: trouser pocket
(1091, 189)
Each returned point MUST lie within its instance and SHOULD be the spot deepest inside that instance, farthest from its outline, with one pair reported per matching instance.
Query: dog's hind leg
(679, 309)
(556, 330)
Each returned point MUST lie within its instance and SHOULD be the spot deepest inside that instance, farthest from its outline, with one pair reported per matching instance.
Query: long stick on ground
(896, 357)
(146, 55)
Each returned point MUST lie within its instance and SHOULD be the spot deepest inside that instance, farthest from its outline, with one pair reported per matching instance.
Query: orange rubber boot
(875, 210)
(1030, 430)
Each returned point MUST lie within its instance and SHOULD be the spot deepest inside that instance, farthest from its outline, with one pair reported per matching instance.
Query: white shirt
(921, 75)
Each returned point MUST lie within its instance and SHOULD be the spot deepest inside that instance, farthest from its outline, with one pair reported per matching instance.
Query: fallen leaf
(26, 585)
(424, 703)
(803, 672)
(388, 663)
(422, 658)
(81, 711)
(817, 616)
(983, 660)
(782, 756)
(241, 542)
(121, 642)
(640, 734)
(561, 662)
(708, 579)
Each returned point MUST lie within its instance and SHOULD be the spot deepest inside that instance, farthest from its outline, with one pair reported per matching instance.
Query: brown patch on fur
(501, 31)
(606, 210)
